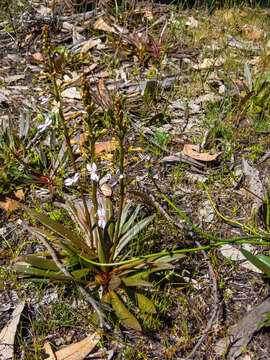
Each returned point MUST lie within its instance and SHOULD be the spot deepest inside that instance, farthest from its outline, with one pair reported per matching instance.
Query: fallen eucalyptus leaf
(7, 335)
(77, 351)
(100, 24)
(192, 151)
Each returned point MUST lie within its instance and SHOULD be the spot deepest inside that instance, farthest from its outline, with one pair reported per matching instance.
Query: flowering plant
(98, 252)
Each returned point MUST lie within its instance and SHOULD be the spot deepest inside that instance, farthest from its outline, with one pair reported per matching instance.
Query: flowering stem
(102, 252)
(47, 49)
(122, 197)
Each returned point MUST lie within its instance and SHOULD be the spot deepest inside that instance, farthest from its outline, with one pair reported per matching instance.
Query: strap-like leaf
(128, 236)
(125, 214)
(123, 314)
(264, 267)
(145, 304)
(265, 259)
(39, 262)
(127, 224)
(29, 270)
(248, 76)
(128, 281)
(58, 228)
(114, 283)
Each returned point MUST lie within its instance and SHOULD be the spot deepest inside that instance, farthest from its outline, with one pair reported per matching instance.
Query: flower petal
(76, 177)
(94, 177)
(68, 182)
(89, 167)
(102, 224)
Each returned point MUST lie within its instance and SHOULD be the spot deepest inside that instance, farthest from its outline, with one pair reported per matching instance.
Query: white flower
(120, 176)
(44, 126)
(101, 218)
(71, 181)
(44, 99)
(93, 171)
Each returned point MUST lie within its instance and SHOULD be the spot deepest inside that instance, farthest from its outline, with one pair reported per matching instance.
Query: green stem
(103, 256)
(240, 240)
(70, 153)
(122, 198)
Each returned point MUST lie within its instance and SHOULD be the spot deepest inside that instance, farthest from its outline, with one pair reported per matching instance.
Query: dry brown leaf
(19, 194)
(49, 351)
(106, 146)
(10, 204)
(148, 13)
(101, 88)
(106, 190)
(7, 334)
(255, 35)
(102, 74)
(72, 93)
(227, 15)
(192, 151)
(100, 24)
(28, 36)
(208, 63)
(89, 45)
(243, 14)
(38, 56)
(77, 351)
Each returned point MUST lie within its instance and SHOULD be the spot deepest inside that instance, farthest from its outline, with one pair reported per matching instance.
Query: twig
(151, 199)
(215, 310)
(87, 297)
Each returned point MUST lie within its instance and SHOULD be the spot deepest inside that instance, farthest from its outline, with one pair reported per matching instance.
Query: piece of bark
(7, 335)
(241, 333)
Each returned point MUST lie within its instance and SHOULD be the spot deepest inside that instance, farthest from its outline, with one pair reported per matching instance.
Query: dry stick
(88, 298)
(152, 200)
(215, 310)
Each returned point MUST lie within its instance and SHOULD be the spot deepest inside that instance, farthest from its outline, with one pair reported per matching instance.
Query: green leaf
(123, 314)
(114, 283)
(127, 225)
(145, 304)
(248, 76)
(128, 281)
(264, 259)
(59, 229)
(125, 214)
(78, 274)
(28, 270)
(257, 262)
(143, 271)
(128, 236)
(39, 262)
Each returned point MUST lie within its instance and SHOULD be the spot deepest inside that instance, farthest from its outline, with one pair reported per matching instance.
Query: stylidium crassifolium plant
(97, 252)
